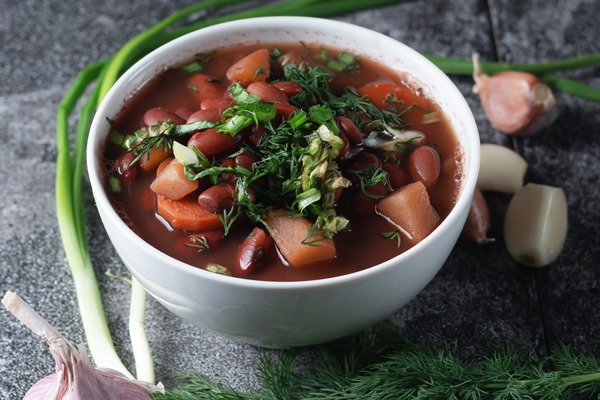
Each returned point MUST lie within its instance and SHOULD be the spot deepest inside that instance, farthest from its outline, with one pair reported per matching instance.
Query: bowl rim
(96, 139)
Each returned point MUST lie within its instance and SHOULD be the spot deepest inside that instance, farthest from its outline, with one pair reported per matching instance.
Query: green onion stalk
(103, 74)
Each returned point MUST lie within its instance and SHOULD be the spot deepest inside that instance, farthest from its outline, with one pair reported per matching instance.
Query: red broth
(360, 246)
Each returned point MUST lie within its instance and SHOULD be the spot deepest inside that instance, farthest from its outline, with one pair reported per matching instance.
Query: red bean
(398, 176)
(365, 159)
(228, 177)
(215, 104)
(255, 135)
(350, 129)
(289, 88)
(346, 147)
(211, 142)
(245, 160)
(218, 198)
(157, 114)
(184, 112)
(424, 165)
(125, 167)
(211, 238)
(253, 250)
(205, 115)
(267, 92)
(285, 110)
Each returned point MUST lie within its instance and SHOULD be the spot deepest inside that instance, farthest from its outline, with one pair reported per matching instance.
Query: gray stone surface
(480, 296)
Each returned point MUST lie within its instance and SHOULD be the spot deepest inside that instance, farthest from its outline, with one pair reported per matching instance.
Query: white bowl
(283, 314)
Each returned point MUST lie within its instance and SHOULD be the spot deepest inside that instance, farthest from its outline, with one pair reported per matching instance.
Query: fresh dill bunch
(383, 363)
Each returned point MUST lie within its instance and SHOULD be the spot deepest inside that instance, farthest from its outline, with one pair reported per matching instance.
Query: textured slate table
(480, 296)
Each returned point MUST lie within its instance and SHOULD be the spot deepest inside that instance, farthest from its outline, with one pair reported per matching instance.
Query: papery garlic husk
(75, 377)
(515, 102)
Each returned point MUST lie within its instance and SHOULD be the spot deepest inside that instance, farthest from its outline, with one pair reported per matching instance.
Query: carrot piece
(205, 87)
(380, 94)
(187, 214)
(288, 233)
(253, 67)
(411, 211)
(172, 182)
(150, 161)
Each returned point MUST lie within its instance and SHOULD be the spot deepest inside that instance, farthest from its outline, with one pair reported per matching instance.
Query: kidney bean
(125, 167)
(346, 147)
(398, 176)
(211, 142)
(184, 112)
(365, 159)
(289, 88)
(285, 110)
(267, 92)
(253, 250)
(216, 104)
(366, 203)
(245, 160)
(157, 114)
(213, 238)
(228, 177)
(256, 133)
(350, 129)
(218, 198)
(212, 115)
(424, 165)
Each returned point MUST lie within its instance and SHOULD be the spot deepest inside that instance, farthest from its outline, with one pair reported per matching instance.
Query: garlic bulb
(75, 377)
(515, 102)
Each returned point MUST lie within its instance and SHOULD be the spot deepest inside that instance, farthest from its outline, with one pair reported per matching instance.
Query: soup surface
(281, 162)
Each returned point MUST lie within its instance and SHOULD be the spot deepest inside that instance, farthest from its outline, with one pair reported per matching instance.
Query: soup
(281, 162)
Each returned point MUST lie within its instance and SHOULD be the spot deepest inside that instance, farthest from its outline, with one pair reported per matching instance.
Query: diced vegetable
(411, 211)
(385, 94)
(150, 161)
(291, 236)
(187, 214)
(253, 67)
(172, 182)
(204, 87)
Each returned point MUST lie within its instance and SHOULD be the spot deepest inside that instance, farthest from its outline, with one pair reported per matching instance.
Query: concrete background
(480, 296)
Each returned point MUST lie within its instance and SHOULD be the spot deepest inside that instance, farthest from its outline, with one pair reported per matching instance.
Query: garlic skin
(515, 102)
(75, 377)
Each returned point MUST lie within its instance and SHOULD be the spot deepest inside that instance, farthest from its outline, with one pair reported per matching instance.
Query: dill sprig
(383, 363)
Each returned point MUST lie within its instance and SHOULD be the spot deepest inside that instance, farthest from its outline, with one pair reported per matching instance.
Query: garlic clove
(501, 169)
(535, 224)
(477, 224)
(515, 102)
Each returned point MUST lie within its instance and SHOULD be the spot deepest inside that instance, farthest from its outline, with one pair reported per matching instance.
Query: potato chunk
(411, 211)
(288, 233)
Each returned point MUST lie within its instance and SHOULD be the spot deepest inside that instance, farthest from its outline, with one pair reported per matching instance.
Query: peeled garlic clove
(515, 102)
(75, 377)
(535, 224)
(501, 169)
